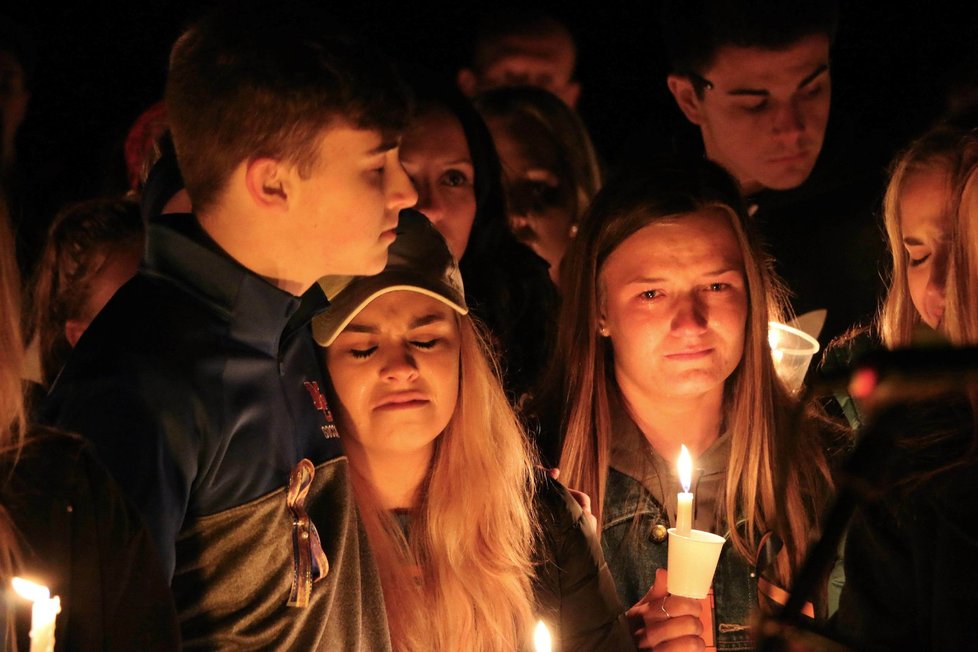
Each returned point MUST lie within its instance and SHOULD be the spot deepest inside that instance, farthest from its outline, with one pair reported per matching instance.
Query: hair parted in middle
(462, 570)
(757, 407)
(466, 571)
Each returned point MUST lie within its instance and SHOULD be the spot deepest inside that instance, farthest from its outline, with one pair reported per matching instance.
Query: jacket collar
(257, 312)
(632, 455)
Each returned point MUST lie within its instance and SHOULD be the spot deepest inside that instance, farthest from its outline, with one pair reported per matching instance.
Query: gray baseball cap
(418, 261)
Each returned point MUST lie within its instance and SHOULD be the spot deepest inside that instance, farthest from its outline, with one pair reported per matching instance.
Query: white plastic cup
(792, 350)
(692, 561)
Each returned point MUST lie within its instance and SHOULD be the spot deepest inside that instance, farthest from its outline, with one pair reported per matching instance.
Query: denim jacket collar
(632, 455)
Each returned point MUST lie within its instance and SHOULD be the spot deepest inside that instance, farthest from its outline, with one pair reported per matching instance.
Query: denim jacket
(634, 535)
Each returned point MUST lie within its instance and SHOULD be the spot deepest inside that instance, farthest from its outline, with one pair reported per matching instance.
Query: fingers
(582, 499)
(658, 588)
(680, 644)
(666, 608)
(553, 473)
(685, 632)
(671, 621)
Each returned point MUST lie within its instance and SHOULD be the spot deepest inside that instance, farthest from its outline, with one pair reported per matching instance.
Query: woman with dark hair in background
(449, 155)
(92, 249)
(550, 169)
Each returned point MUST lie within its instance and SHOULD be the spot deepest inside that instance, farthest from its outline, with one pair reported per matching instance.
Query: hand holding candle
(43, 614)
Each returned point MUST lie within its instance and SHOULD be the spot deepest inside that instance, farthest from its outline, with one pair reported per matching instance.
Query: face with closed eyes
(395, 373)
(674, 305)
(924, 226)
(436, 156)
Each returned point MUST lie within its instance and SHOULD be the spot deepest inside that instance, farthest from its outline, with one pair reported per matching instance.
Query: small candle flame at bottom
(541, 638)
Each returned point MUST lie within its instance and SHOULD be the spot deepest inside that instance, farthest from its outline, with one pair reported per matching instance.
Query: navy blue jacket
(190, 383)
(194, 385)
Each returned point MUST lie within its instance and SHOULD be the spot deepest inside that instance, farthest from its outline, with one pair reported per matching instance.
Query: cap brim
(327, 326)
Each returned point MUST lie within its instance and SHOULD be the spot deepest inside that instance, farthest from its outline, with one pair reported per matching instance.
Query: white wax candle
(44, 613)
(541, 638)
(684, 500)
(43, 616)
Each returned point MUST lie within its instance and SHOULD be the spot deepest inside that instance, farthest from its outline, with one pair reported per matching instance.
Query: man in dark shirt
(199, 383)
(754, 77)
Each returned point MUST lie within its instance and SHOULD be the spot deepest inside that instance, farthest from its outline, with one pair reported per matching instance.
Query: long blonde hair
(955, 153)
(758, 409)
(463, 577)
(12, 417)
(12, 414)
(961, 310)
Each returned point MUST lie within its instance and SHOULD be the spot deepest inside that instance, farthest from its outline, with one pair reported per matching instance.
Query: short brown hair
(251, 80)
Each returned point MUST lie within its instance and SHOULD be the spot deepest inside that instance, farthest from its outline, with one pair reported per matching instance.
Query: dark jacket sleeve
(146, 448)
(575, 591)
(83, 539)
(912, 570)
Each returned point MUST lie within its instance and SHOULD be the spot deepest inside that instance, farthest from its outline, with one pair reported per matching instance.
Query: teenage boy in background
(755, 77)
(199, 383)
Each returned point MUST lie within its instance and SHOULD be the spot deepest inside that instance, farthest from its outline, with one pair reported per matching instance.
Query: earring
(603, 331)
(573, 230)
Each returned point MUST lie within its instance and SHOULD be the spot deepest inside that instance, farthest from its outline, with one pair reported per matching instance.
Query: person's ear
(685, 95)
(74, 328)
(267, 183)
(602, 321)
(571, 93)
(467, 82)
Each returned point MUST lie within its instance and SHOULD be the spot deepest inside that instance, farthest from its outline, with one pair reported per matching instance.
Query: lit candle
(774, 340)
(541, 638)
(684, 507)
(43, 614)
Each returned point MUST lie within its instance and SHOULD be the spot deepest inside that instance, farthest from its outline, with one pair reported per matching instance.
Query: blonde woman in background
(911, 547)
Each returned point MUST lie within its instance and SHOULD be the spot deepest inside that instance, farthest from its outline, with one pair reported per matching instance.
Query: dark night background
(99, 66)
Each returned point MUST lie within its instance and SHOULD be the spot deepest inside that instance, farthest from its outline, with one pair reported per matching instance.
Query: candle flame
(685, 469)
(541, 638)
(30, 590)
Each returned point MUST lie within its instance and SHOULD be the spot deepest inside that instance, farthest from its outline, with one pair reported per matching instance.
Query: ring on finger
(662, 606)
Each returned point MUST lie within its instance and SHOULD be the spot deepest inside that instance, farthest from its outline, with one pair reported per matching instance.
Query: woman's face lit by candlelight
(395, 372)
(924, 226)
(675, 306)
